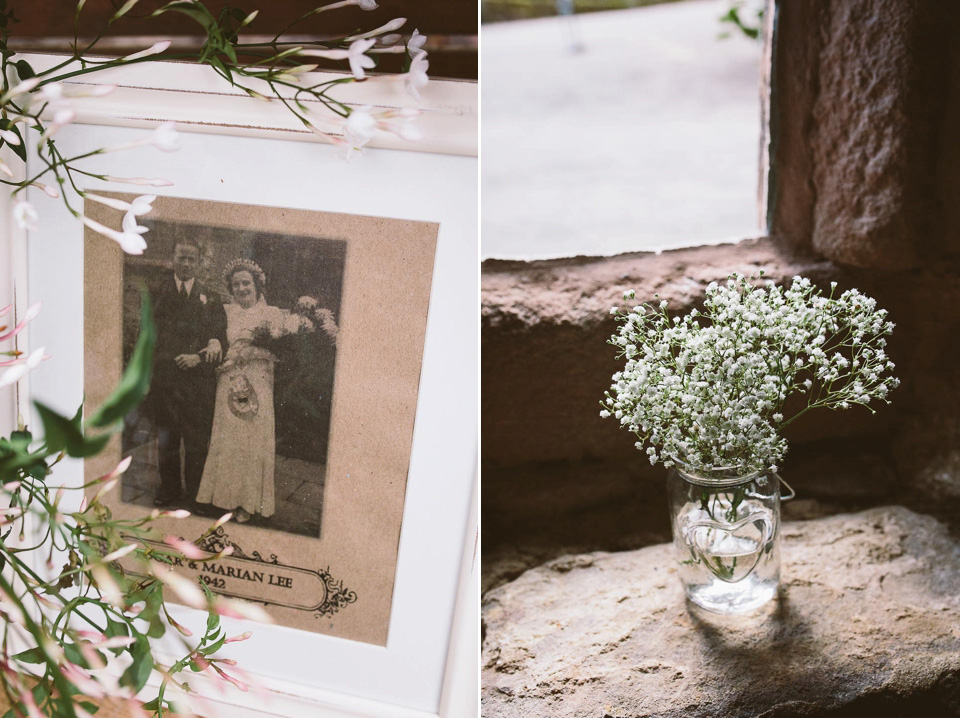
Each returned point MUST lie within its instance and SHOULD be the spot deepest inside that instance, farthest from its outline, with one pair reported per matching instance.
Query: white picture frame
(434, 180)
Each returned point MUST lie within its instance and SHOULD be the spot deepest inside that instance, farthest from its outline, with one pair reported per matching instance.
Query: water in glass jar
(727, 553)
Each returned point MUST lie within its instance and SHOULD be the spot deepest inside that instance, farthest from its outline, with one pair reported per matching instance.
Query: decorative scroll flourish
(218, 540)
(335, 595)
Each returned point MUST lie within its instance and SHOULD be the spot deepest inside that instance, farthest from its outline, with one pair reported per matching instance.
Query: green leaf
(24, 71)
(192, 10)
(215, 646)
(213, 622)
(74, 655)
(230, 52)
(33, 655)
(116, 628)
(138, 672)
(157, 628)
(205, 53)
(21, 440)
(154, 602)
(41, 692)
(39, 470)
(61, 434)
(215, 61)
(135, 383)
(78, 418)
(57, 430)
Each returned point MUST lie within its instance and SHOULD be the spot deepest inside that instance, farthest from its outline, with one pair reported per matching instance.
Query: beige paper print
(284, 390)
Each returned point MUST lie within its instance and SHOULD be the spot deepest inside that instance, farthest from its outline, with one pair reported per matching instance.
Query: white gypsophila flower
(140, 205)
(355, 54)
(155, 49)
(25, 215)
(389, 27)
(358, 59)
(51, 192)
(363, 4)
(293, 74)
(51, 92)
(16, 372)
(402, 123)
(130, 226)
(416, 78)
(140, 181)
(359, 128)
(61, 118)
(130, 241)
(165, 137)
(415, 44)
(709, 388)
(20, 89)
(335, 54)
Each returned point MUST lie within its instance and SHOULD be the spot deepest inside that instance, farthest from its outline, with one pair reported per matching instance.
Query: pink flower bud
(241, 637)
(188, 549)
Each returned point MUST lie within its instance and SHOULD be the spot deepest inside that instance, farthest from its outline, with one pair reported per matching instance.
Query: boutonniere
(203, 298)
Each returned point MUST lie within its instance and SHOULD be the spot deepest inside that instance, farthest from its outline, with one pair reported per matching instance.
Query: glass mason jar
(726, 527)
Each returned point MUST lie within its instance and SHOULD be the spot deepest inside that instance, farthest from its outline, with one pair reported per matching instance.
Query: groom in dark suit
(191, 339)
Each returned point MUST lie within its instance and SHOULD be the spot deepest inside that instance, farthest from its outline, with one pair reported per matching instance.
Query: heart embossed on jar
(730, 551)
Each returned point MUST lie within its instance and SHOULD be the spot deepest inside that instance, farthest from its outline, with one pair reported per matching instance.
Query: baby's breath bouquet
(713, 388)
(710, 394)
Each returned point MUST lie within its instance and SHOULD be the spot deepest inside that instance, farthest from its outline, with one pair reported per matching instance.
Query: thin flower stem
(52, 667)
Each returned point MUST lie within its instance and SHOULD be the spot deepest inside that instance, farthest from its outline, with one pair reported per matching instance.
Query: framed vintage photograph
(315, 376)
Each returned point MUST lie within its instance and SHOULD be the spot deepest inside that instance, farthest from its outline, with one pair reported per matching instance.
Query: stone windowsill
(868, 622)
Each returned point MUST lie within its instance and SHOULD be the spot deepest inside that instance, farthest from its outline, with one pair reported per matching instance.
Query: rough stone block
(861, 138)
(868, 620)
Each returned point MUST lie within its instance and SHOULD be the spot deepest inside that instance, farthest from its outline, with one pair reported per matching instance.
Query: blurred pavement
(647, 139)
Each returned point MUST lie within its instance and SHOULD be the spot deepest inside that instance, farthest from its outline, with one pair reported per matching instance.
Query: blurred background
(613, 126)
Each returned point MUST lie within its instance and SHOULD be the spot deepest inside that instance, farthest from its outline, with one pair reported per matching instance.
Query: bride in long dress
(238, 474)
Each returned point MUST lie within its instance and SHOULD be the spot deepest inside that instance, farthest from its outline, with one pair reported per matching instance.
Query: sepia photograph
(238, 414)
(276, 430)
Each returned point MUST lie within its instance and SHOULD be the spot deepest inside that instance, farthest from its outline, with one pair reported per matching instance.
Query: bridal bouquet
(310, 309)
(268, 334)
(717, 387)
